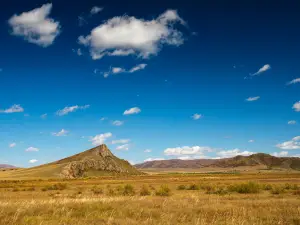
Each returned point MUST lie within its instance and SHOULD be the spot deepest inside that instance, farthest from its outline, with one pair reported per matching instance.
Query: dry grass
(206, 199)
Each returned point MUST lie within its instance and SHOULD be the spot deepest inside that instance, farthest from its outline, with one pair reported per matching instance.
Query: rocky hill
(98, 161)
(259, 159)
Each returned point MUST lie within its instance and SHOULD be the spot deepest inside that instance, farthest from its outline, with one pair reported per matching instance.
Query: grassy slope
(53, 170)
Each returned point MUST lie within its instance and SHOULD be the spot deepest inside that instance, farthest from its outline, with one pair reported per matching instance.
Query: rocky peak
(101, 150)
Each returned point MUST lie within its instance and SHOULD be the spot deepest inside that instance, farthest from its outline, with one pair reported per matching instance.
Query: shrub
(30, 189)
(297, 192)
(110, 191)
(181, 187)
(58, 186)
(267, 187)
(97, 190)
(193, 187)
(246, 188)
(219, 191)
(144, 191)
(128, 190)
(164, 190)
(15, 189)
(276, 190)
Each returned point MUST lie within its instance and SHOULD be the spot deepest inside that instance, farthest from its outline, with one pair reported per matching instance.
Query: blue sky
(152, 80)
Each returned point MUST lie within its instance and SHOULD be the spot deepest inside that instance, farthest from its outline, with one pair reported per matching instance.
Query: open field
(272, 198)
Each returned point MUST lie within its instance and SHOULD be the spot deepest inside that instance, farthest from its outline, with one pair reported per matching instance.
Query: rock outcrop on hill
(96, 161)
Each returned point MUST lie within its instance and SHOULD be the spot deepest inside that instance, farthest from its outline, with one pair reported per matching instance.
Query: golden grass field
(269, 198)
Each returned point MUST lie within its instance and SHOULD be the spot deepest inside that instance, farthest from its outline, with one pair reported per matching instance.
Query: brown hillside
(97, 161)
(259, 159)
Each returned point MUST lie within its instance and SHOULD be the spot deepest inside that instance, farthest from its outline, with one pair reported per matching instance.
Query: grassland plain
(258, 198)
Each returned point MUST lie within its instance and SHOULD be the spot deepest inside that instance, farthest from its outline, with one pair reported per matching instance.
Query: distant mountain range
(6, 166)
(259, 159)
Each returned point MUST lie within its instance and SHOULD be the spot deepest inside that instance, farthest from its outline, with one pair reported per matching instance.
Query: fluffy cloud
(124, 35)
(251, 99)
(290, 145)
(12, 145)
(296, 106)
(117, 70)
(33, 161)
(96, 10)
(134, 110)
(297, 80)
(60, 133)
(70, 109)
(188, 157)
(292, 122)
(280, 154)
(117, 123)
(186, 150)
(196, 116)
(233, 152)
(153, 159)
(148, 150)
(32, 149)
(100, 138)
(123, 147)
(12, 109)
(251, 141)
(35, 26)
(121, 141)
(262, 70)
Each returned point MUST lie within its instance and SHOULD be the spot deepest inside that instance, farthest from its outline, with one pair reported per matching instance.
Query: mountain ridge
(259, 159)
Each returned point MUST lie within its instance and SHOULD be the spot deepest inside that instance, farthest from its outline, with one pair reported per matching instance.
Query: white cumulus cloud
(148, 150)
(134, 110)
(33, 160)
(12, 109)
(251, 99)
(280, 154)
(69, 109)
(153, 159)
(293, 144)
(186, 150)
(100, 138)
(297, 80)
(63, 132)
(233, 152)
(262, 70)
(124, 35)
(32, 149)
(296, 106)
(196, 116)
(35, 26)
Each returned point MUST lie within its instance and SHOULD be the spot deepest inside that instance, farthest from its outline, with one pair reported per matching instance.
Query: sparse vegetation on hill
(259, 160)
(98, 161)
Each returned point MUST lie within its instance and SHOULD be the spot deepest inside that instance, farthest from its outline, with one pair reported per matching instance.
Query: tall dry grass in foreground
(219, 200)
